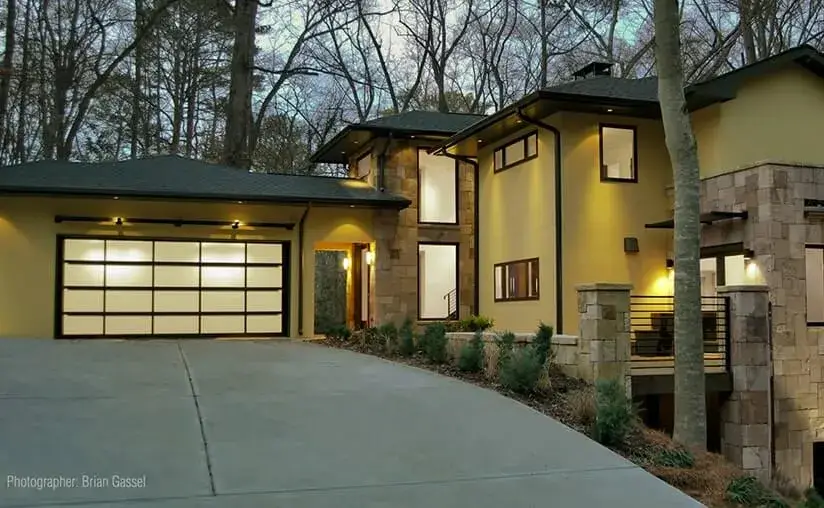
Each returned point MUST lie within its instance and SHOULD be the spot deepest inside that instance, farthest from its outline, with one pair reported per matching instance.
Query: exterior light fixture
(118, 221)
(480, 141)
(748, 254)
(412, 136)
(235, 224)
(347, 263)
(370, 257)
(670, 264)
(116, 197)
(609, 110)
(240, 202)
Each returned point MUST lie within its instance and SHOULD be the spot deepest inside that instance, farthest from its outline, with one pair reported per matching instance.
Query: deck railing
(652, 326)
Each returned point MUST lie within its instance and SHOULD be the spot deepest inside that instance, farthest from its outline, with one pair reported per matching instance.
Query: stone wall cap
(565, 340)
(743, 288)
(603, 286)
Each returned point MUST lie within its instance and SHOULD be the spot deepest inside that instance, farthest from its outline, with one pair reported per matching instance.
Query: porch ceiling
(704, 218)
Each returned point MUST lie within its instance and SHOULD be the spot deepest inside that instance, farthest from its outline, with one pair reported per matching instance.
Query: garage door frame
(285, 287)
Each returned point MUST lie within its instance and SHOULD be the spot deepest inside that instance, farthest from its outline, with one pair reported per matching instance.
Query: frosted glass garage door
(117, 287)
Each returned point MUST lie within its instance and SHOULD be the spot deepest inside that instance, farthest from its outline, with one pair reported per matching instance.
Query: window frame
(365, 178)
(521, 139)
(528, 261)
(457, 246)
(457, 189)
(810, 246)
(604, 175)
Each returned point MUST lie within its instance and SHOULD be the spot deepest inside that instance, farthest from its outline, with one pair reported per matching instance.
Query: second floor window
(437, 189)
(619, 153)
(364, 169)
(517, 280)
(516, 151)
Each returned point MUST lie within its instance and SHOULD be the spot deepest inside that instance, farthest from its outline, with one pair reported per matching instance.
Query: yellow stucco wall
(28, 246)
(597, 215)
(517, 212)
(517, 221)
(778, 117)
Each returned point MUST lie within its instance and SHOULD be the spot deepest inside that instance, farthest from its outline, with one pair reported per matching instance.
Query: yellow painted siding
(28, 255)
(779, 117)
(597, 215)
(517, 217)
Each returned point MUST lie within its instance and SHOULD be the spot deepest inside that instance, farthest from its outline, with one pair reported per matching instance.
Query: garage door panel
(82, 300)
(83, 275)
(128, 276)
(222, 277)
(128, 301)
(264, 324)
(176, 301)
(177, 324)
(223, 252)
(177, 252)
(83, 325)
(177, 276)
(228, 324)
(264, 276)
(128, 325)
(257, 253)
(264, 301)
(142, 287)
(222, 301)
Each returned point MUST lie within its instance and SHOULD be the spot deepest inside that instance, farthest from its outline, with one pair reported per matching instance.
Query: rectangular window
(815, 285)
(517, 280)
(517, 151)
(619, 153)
(364, 169)
(438, 281)
(437, 189)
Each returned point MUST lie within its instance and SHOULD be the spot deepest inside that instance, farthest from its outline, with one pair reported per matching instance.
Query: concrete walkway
(285, 424)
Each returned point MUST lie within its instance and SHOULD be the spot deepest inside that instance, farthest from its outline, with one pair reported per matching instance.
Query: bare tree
(690, 426)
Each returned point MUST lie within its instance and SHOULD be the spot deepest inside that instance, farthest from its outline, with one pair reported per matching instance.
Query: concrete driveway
(167, 424)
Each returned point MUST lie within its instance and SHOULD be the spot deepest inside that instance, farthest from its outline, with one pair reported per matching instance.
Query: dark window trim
(816, 246)
(603, 171)
(503, 148)
(60, 287)
(457, 246)
(515, 299)
(457, 189)
(719, 252)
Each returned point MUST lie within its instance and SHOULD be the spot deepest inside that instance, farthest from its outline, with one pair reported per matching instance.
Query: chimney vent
(593, 69)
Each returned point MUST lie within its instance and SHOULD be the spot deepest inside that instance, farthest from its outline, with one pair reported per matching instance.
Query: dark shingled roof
(645, 89)
(171, 176)
(412, 123)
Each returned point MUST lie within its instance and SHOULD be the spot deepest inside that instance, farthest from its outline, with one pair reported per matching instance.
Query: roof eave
(328, 154)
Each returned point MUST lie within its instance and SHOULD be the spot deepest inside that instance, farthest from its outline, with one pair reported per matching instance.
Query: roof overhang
(353, 138)
(704, 218)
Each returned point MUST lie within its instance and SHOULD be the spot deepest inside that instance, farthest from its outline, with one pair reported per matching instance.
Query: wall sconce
(347, 263)
(235, 224)
(670, 264)
(118, 221)
(748, 255)
(370, 257)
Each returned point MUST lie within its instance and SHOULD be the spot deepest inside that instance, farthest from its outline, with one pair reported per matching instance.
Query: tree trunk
(6, 72)
(20, 153)
(137, 84)
(544, 47)
(690, 427)
(239, 108)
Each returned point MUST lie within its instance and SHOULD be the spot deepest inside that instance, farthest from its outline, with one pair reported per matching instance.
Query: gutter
(559, 251)
(301, 264)
(476, 184)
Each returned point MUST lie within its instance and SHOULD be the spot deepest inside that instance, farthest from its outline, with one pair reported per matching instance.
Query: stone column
(745, 416)
(604, 345)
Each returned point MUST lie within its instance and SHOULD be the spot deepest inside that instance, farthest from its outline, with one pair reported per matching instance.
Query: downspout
(301, 264)
(476, 186)
(559, 251)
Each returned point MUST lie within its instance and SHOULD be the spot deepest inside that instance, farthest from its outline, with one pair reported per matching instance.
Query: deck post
(746, 416)
(604, 345)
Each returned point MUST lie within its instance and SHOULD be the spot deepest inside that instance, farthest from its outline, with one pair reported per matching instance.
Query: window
(517, 280)
(437, 281)
(437, 189)
(815, 285)
(515, 152)
(619, 153)
(364, 169)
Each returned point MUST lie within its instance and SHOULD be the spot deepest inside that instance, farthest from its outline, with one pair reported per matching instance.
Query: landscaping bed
(527, 373)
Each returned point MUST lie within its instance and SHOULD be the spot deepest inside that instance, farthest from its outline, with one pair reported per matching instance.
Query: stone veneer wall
(773, 195)
(395, 277)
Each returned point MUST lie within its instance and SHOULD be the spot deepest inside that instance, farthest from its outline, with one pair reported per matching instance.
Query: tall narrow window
(815, 286)
(364, 169)
(438, 186)
(437, 281)
(517, 280)
(619, 153)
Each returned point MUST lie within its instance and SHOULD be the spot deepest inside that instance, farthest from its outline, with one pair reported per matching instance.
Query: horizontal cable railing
(652, 326)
